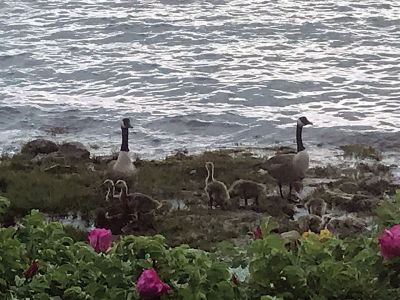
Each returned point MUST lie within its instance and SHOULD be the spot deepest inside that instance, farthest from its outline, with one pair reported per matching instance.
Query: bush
(318, 266)
(321, 267)
(73, 270)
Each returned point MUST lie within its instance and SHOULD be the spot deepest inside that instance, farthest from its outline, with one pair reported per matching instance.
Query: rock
(336, 198)
(374, 168)
(346, 226)
(55, 157)
(193, 172)
(361, 202)
(349, 187)
(39, 146)
(59, 169)
(105, 158)
(361, 151)
(74, 150)
(375, 185)
(291, 236)
(325, 172)
(39, 158)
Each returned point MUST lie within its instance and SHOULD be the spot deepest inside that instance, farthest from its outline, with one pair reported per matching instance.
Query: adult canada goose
(247, 189)
(123, 166)
(289, 168)
(216, 191)
(316, 207)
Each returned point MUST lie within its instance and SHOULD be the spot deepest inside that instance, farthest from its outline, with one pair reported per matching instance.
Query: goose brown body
(284, 169)
(290, 168)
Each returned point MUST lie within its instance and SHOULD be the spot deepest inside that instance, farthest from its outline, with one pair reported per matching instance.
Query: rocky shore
(64, 179)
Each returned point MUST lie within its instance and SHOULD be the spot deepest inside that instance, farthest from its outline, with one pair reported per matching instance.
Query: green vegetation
(314, 267)
(73, 270)
(61, 187)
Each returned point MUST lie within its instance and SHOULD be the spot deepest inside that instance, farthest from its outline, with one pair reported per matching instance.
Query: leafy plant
(388, 211)
(73, 270)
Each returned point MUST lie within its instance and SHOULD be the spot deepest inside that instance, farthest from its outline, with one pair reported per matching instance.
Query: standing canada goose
(316, 207)
(216, 191)
(289, 168)
(123, 166)
(247, 189)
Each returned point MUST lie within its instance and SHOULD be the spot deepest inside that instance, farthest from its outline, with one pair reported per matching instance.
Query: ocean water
(199, 74)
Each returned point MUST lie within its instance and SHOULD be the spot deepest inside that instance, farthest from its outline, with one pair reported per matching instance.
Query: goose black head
(126, 123)
(303, 121)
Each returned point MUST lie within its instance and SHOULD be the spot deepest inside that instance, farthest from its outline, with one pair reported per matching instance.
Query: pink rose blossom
(32, 270)
(150, 285)
(389, 241)
(257, 233)
(100, 239)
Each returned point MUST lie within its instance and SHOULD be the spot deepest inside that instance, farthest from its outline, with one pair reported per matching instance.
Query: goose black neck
(124, 145)
(299, 140)
(210, 175)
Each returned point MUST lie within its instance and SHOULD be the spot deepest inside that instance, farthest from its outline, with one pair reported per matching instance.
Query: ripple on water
(199, 73)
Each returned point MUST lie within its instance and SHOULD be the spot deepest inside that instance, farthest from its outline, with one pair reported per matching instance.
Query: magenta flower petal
(150, 286)
(100, 239)
(389, 242)
(257, 233)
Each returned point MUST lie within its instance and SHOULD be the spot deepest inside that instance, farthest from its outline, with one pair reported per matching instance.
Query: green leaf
(270, 298)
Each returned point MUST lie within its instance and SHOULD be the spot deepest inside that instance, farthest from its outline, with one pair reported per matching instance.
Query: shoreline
(385, 141)
(60, 187)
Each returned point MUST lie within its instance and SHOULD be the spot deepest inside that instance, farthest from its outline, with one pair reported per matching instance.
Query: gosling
(316, 207)
(138, 203)
(216, 191)
(310, 222)
(247, 189)
(110, 195)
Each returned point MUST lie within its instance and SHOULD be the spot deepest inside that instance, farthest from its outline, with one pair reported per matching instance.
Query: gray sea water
(199, 74)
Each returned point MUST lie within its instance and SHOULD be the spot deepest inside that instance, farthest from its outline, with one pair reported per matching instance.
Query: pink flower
(235, 280)
(389, 241)
(257, 233)
(100, 239)
(32, 270)
(150, 285)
